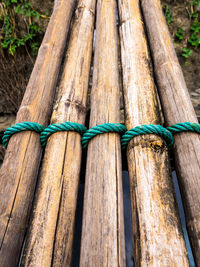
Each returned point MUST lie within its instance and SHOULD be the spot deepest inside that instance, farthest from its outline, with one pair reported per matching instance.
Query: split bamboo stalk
(177, 108)
(19, 170)
(158, 238)
(103, 227)
(50, 238)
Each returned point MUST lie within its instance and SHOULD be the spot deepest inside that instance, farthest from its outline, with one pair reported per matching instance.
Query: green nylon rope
(184, 127)
(19, 127)
(100, 129)
(148, 129)
(59, 127)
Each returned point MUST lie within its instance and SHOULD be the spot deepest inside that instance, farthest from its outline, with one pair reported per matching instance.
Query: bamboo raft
(39, 188)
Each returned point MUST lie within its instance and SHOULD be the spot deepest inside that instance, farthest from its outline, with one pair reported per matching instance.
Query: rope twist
(148, 129)
(166, 133)
(19, 127)
(60, 127)
(100, 129)
(184, 127)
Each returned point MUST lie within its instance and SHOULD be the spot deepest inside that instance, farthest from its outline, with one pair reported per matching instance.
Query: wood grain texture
(157, 234)
(177, 108)
(103, 227)
(19, 171)
(50, 238)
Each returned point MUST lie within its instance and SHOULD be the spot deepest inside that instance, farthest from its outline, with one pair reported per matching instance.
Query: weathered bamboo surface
(102, 241)
(158, 238)
(50, 238)
(177, 108)
(19, 170)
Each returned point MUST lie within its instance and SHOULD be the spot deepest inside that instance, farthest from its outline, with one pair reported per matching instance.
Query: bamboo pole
(50, 238)
(177, 108)
(158, 238)
(20, 167)
(103, 227)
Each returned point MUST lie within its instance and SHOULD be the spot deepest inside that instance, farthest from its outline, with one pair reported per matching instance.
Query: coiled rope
(148, 129)
(19, 127)
(184, 127)
(100, 129)
(166, 133)
(59, 127)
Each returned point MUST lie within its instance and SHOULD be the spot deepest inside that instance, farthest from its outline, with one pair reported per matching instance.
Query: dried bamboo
(158, 238)
(19, 170)
(177, 108)
(103, 227)
(51, 233)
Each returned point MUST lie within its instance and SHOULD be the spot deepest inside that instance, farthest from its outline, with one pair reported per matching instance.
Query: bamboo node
(84, 6)
(136, 19)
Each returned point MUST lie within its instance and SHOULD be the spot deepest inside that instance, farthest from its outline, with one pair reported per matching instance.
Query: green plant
(11, 12)
(186, 53)
(194, 40)
(195, 7)
(194, 14)
(168, 14)
(195, 27)
(195, 2)
(34, 48)
(179, 34)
